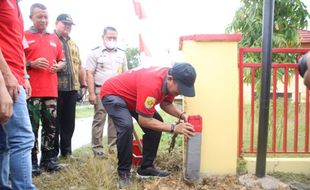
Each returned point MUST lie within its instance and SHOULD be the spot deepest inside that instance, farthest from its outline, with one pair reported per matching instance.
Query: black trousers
(122, 118)
(66, 104)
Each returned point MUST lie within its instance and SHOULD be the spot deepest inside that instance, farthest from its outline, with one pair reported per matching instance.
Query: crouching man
(135, 94)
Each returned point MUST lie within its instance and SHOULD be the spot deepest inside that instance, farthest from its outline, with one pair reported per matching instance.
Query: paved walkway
(82, 132)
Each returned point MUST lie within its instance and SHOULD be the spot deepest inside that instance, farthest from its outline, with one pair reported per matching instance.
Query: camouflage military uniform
(44, 109)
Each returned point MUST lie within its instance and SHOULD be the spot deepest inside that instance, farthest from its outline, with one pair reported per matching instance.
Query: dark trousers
(122, 118)
(66, 104)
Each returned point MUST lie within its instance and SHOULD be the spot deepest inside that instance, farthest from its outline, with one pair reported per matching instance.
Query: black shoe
(50, 165)
(36, 171)
(124, 182)
(151, 172)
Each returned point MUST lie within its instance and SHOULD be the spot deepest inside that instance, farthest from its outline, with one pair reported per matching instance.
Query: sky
(166, 21)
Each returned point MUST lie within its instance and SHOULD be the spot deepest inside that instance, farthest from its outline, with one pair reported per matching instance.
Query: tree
(133, 57)
(289, 17)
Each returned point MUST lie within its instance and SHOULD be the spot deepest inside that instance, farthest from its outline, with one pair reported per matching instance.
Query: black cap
(65, 18)
(184, 75)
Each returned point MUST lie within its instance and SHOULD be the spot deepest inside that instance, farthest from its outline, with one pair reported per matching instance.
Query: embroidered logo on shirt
(149, 102)
(120, 69)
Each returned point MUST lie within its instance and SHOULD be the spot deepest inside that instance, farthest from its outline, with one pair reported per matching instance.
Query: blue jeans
(16, 142)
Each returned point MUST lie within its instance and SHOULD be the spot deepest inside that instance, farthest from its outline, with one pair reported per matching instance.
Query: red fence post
(286, 125)
(296, 111)
(274, 108)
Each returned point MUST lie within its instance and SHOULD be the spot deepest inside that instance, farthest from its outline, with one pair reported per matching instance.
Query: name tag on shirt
(53, 44)
(31, 42)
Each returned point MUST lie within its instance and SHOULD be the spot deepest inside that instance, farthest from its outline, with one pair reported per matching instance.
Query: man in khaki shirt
(103, 63)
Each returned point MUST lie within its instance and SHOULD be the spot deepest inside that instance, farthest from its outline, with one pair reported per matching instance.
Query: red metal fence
(289, 114)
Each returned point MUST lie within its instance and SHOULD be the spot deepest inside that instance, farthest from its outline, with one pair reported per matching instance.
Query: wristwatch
(28, 65)
(26, 76)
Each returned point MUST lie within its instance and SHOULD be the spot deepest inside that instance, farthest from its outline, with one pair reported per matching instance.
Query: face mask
(110, 44)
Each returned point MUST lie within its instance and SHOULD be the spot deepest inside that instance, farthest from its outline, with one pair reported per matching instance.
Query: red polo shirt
(11, 36)
(44, 83)
(141, 89)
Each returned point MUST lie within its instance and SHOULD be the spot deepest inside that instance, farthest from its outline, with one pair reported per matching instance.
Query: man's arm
(181, 128)
(82, 76)
(60, 61)
(6, 102)
(82, 71)
(57, 66)
(91, 65)
(9, 79)
(171, 109)
(28, 88)
(91, 86)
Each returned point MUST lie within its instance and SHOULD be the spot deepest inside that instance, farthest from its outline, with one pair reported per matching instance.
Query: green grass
(85, 173)
(279, 127)
(166, 137)
(90, 173)
(84, 110)
(292, 177)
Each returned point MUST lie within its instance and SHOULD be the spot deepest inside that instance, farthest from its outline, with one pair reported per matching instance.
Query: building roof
(305, 37)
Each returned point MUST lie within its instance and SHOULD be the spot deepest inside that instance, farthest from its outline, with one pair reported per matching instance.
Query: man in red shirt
(135, 94)
(16, 136)
(44, 58)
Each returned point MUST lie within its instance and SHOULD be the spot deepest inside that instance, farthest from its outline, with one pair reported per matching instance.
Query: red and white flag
(140, 13)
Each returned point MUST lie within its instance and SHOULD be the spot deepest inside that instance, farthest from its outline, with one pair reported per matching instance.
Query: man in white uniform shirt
(103, 63)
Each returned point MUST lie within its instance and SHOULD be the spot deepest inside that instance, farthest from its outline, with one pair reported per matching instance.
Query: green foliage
(133, 57)
(289, 17)
(241, 166)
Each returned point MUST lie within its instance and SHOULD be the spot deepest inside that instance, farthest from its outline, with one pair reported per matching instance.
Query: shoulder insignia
(120, 49)
(95, 48)
(149, 102)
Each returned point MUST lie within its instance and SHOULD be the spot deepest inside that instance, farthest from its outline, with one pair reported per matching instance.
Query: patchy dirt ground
(173, 163)
(87, 173)
(230, 182)
(176, 182)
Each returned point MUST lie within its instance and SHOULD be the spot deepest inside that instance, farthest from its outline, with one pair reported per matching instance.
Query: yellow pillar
(215, 58)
